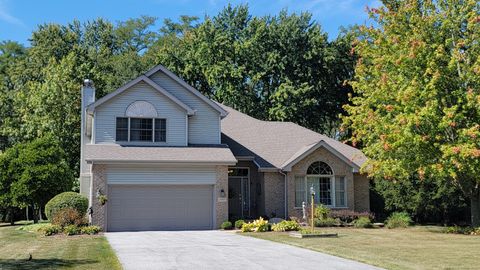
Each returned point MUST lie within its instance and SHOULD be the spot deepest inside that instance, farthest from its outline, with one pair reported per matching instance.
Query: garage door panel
(160, 207)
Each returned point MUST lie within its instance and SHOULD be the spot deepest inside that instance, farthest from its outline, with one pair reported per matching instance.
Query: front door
(238, 193)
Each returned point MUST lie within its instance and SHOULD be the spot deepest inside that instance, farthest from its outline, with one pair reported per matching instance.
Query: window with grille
(329, 190)
(122, 129)
(160, 130)
(141, 129)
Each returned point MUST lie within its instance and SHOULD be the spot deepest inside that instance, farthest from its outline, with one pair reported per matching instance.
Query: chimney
(88, 97)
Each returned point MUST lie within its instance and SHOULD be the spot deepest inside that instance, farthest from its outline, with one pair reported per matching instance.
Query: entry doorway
(238, 193)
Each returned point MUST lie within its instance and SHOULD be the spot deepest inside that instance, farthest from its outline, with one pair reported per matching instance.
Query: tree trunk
(475, 209)
(35, 215)
(12, 216)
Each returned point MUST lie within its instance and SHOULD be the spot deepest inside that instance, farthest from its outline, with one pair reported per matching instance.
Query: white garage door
(159, 207)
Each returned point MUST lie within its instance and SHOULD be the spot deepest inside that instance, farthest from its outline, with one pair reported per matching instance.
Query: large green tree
(32, 173)
(280, 67)
(416, 108)
(44, 84)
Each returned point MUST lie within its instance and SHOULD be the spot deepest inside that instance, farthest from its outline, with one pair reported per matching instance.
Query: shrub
(227, 225)
(50, 230)
(398, 220)
(248, 227)
(66, 200)
(362, 222)
(463, 230)
(71, 230)
(321, 211)
(286, 226)
(68, 216)
(259, 225)
(239, 223)
(326, 222)
(348, 216)
(90, 230)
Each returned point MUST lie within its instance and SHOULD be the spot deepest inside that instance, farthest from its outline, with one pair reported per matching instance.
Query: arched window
(141, 109)
(329, 189)
(319, 168)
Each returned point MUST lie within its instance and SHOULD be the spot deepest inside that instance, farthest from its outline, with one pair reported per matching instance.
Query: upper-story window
(141, 124)
(130, 129)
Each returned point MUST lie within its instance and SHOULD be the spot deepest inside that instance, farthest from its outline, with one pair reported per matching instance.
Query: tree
(273, 67)
(416, 108)
(32, 173)
(44, 84)
(10, 53)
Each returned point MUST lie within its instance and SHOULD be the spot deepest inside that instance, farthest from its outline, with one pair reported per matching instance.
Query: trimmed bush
(348, 216)
(50, 230)
(91, 230)
(398, 220)
(66, 200)
(286, 226)
(363, 222)
(326, 222)
(68, 216)
(239, 223)
(227, 225)
(71, 230)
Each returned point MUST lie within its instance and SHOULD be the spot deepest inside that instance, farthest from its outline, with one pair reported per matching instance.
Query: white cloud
(7, 17)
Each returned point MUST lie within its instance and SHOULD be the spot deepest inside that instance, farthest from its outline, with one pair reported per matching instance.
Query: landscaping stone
(313, 235)
(275, 220)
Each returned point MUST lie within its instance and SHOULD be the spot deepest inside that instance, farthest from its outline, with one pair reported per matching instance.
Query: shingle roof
(277, 144)
(99, 153)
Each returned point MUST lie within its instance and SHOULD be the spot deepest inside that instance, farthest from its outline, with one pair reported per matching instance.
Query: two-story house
(158, 155)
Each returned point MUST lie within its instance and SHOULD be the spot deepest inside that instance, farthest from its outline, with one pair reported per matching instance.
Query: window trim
(333, 192)
(344, 190)
(141, 142)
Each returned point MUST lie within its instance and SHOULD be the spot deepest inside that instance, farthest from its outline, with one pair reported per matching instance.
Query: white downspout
(285, 192)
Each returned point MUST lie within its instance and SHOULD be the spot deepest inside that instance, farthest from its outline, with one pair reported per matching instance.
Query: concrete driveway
(216, 250)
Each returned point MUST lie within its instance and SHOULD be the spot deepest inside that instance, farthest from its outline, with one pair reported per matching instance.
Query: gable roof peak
(194, 91)
(145, 79)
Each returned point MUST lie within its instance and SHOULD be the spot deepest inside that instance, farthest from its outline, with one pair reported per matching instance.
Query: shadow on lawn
(41, 263)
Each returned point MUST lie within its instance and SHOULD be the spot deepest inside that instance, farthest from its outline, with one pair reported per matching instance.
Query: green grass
(53, 252)
(411, 248)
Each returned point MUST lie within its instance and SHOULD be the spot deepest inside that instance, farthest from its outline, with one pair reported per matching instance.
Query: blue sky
(18, 18)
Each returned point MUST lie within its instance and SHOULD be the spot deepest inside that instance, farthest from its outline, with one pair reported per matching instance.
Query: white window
(131, 129)
(329, 191)
(300, 194)
(340, 194)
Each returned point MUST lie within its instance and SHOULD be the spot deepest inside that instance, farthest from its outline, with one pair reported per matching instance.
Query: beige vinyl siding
(170, 175)
(106, 114)
(204, 126)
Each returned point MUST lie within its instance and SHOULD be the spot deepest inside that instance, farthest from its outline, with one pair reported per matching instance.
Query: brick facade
(99, 184)
(221, 204)
(340, 168)
(362, 192)
(274, 191)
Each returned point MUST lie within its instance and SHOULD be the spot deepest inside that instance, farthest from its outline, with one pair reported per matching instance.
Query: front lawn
(412, 248)
(59, 252)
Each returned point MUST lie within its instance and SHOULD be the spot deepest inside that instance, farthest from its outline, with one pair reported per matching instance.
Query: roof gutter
(109, 161)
